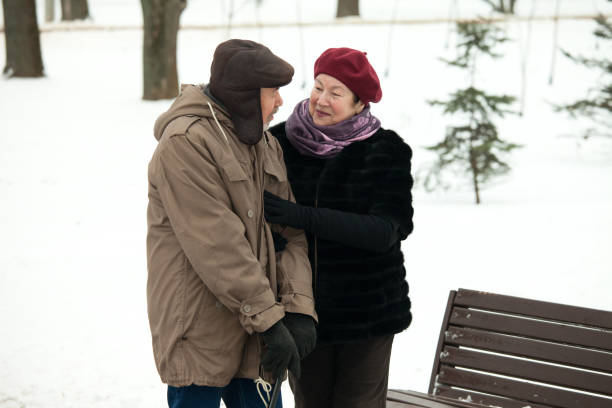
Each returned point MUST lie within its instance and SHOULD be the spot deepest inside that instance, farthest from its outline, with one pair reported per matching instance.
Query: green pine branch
(501, 7)
(604, 28)
(474, 145)
(597, 104)
(600, 103)
(476, 103)
(603, 64)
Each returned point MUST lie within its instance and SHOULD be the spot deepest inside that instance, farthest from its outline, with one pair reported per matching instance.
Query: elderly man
(225, 310)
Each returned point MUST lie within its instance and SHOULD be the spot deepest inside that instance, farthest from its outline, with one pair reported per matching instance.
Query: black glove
(279, 241)
(281, 352)
(302, 328)
(284, 212)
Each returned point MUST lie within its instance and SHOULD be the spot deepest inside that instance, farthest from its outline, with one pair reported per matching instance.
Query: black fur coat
(359, 294)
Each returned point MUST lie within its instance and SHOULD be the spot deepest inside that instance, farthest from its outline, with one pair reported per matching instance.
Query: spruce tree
(473, 147)
(597, 104)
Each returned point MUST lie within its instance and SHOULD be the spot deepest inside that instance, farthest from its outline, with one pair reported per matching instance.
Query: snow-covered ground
(74, 148)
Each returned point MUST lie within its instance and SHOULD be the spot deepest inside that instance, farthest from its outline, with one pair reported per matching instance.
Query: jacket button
(246, 308)
(250, 213)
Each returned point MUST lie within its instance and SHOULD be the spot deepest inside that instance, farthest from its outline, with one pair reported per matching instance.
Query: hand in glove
(281, 352)
(284, 212)
(302, 328)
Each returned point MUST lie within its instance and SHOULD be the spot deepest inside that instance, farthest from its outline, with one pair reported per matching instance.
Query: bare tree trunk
(23, 58)
(74, 10)
(161, 24)
(49, 10)
(347, 8)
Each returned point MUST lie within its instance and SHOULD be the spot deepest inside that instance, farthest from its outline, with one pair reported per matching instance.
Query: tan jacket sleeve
(211, 234)
(292, 264)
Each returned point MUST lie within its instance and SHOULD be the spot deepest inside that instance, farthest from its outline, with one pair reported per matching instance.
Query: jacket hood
(192, 101)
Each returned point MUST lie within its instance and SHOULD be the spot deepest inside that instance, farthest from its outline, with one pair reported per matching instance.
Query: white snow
(467, 399)
(74, 148)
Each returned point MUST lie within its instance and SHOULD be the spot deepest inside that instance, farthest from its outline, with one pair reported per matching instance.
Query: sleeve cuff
(259, 313)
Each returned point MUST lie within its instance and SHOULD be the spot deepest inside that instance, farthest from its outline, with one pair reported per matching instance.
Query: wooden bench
(511, 352)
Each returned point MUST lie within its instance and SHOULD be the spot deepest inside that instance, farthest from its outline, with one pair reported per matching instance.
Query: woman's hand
(284, 212)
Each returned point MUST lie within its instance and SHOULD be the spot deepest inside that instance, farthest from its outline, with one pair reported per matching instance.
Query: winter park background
(74, 149)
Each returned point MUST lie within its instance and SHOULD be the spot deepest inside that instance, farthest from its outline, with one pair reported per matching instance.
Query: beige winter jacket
(211, 286)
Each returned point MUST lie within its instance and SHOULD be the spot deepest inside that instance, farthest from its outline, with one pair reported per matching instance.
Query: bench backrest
(513, 352)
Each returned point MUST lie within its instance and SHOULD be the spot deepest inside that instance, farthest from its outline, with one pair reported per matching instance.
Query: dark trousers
(345, 375)
(239, 393)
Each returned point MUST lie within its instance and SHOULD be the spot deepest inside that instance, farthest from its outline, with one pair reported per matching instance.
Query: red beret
(352, 68)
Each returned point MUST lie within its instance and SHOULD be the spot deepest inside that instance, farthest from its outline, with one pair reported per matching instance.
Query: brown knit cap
(238, 71)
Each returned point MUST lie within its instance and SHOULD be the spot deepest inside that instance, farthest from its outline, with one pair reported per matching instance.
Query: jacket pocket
(240, 190)
(234, 172)
(275, 177)
(274, 169)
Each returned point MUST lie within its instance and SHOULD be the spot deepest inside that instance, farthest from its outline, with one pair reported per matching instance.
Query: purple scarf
(327, 141)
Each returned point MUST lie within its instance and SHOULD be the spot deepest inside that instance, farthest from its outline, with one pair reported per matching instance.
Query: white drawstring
(218, 124)
(266, 386)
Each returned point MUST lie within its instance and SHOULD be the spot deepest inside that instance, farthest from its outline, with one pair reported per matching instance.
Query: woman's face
(331, 101)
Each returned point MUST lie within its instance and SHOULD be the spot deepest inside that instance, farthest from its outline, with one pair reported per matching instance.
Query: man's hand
(284, 212)
(281, 352)
(303, 330)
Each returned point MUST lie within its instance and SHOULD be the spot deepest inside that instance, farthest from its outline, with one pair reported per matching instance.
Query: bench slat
(395, 404)
(484, 399)
(535, 308)
(530, 370)
(504, 387)
(418, 399)
(537, 329)
(525, 347)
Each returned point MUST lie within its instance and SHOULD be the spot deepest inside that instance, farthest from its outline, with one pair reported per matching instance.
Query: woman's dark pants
(345, 375)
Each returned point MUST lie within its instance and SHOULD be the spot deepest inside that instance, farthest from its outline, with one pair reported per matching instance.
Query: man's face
(270, 101)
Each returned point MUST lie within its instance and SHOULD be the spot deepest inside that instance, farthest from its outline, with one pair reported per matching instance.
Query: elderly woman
(352, 183)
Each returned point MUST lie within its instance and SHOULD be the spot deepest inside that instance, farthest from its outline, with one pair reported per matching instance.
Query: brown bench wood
(411, 399)
(511, 352)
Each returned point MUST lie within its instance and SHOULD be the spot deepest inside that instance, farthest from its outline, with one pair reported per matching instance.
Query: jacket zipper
(260, 223)
(261, 220)
(259, 167)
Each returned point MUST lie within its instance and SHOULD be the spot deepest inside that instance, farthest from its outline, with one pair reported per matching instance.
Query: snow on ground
(74, 148)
